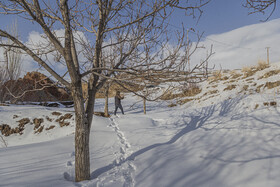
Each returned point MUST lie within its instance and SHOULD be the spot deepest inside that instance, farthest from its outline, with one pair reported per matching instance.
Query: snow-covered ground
(229, 138)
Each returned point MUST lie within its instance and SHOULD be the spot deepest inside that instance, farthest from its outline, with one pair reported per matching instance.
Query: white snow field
(227, 139)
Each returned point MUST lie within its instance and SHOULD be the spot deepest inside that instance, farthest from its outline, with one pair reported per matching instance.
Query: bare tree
(3, 79)
(138, 29)
(13, 56)
(260, 6)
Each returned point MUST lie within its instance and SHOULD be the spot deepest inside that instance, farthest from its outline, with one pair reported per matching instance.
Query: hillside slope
(228, 137)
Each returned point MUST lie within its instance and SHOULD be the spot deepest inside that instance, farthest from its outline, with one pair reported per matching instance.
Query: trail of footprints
(125, 167)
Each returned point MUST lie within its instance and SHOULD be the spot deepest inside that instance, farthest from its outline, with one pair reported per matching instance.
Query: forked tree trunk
(82, 133)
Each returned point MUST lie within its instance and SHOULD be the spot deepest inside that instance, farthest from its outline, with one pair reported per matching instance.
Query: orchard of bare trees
(104, 41)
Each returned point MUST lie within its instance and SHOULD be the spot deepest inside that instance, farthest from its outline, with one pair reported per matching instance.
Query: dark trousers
(116, 108)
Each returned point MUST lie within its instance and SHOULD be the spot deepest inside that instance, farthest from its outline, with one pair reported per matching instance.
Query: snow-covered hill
(227, 135)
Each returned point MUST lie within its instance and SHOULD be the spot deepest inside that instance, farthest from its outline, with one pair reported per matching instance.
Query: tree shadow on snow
(197, 121)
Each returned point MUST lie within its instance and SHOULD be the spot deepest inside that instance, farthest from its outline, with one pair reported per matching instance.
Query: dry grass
(271, 85)
(234, 74)
(258, 89)
(216, 75)
(262, 65)
(183, 101)
(270, 73)
(230, 87)
(248, 71)
(190, 92)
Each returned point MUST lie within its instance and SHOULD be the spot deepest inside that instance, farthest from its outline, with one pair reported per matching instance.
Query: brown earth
(33, 87)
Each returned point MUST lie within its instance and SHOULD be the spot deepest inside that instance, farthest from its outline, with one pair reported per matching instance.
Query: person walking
(118, 103)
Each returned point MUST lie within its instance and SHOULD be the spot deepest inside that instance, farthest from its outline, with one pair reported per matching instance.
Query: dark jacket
(118, 99)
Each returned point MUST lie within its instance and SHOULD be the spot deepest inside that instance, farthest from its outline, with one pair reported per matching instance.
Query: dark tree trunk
(82, 134)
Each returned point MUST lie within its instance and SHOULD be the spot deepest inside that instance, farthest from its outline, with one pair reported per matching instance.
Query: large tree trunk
(82, 133)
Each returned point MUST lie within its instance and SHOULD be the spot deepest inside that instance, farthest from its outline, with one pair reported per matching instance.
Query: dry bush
(262, 65)
(216, 75)
(248, 71)
(234, 74)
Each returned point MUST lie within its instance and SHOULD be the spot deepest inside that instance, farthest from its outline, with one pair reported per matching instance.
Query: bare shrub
(248, 71)
(234, 74)
(262, 65)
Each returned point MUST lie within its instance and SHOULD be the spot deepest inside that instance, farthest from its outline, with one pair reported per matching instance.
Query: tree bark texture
(82, 134)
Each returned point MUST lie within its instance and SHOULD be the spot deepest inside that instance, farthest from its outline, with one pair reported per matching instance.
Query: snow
(224, 140)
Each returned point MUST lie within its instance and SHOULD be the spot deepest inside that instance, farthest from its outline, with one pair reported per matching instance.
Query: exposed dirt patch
(39, 130)
(56, 113)
(49, 119)
(37, 123)
(24, 121)
(61, 119)
(51, 127)
(230, 87)
(5, 129)
(33, 87)
(15, 116)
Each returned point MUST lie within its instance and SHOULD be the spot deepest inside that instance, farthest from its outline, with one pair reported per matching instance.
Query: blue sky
(219, 16)
(239, 39)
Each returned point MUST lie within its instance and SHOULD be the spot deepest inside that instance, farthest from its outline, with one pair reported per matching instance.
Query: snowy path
(122, 171)
(127, 168)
